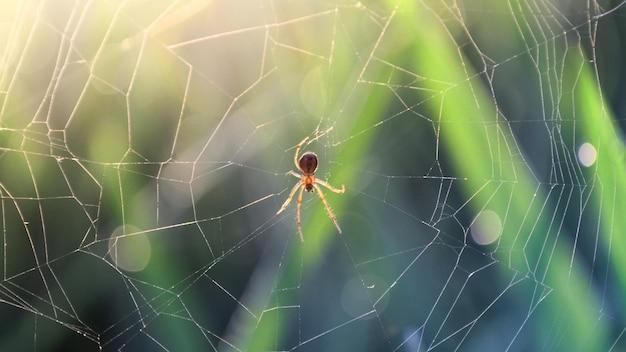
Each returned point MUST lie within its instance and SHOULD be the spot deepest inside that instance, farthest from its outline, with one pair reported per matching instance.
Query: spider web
(145, 149)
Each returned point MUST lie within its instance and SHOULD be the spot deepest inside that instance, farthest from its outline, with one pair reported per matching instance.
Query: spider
(307, 164)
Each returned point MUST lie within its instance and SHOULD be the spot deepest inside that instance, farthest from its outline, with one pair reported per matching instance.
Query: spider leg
(295, 157)
(330, 212)
(325, 184)
(293, 191)
(291, 172)
(298, 213)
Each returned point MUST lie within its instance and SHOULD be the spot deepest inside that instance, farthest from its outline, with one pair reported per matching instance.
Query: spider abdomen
(308, 163)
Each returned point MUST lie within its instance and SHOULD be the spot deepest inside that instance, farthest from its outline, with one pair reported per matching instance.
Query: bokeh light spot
(587, 154)
(358, 295)
(486, 227)
(129, 252)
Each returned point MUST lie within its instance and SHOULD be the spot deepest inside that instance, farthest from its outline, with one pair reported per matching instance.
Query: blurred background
(145, 146)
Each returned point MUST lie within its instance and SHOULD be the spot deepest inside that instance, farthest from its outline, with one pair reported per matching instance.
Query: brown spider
(307, 164)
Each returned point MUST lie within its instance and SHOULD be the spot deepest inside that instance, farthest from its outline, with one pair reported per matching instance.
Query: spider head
(308, 165)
